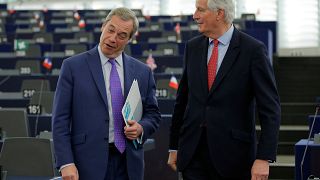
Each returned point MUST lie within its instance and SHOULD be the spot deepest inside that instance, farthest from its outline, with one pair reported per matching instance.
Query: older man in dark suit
(227, 74)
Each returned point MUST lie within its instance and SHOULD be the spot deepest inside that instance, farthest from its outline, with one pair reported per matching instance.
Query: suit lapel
(128, 68)
(203, 64)
(95, 67)
(228, 60)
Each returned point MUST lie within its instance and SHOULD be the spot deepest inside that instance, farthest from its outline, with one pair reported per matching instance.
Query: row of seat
(56, 25)
(35, 21)
(30, 87)
(33, 68)
(12, 16)
(70, 49)
(73, 37)
(18, 122)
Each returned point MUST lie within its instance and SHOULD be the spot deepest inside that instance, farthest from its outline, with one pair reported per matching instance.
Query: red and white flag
(76, 15)
(41, 23)
(11, 11)
(177, 28)
(151, 62)
(36, 16)
(45, 9)
(47, 63)
(82, 23)
(134, 38)
(173, 82)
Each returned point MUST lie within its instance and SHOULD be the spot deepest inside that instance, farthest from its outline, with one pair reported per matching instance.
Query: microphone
(38, 114)
(4, 80)
(309, 137)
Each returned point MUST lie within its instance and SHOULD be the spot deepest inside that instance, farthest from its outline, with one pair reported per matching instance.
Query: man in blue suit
(226, 75)
(92, 87)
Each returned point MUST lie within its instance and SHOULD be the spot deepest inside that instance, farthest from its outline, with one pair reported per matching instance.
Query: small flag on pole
(76, 15)
(177, 28)
(173, 82)
(147, 16)
(41, 23)
(36, 15)
(134, 38)
(11, 11)
(151, 62)
(45, 9)
(82, 23)
(47, 63)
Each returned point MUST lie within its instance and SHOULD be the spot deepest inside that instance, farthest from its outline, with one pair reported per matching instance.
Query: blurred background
(37, 35)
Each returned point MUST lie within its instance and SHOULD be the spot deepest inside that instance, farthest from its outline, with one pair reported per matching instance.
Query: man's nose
(113, 37)
(195, 16)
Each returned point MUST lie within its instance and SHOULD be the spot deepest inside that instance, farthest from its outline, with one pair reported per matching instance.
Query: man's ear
(220, 14)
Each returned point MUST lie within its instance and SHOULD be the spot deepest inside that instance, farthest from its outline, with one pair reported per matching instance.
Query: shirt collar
(105, 59)
(225, 38)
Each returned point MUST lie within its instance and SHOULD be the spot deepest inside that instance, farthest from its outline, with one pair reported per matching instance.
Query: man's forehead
(118, 23)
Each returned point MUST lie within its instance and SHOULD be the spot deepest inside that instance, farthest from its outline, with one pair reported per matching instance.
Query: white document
(132, 108)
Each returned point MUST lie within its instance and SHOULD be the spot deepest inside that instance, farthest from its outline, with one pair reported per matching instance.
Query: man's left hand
(260, 170)
(133, 131)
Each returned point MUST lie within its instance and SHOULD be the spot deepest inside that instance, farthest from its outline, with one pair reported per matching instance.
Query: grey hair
(226, 5)
(126, 15)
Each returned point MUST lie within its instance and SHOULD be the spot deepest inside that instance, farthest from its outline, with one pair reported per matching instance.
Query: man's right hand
(172, 160)
(70, 173)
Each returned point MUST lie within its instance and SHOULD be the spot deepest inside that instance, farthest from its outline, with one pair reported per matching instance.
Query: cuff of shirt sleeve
(66, 165)
(139, 140)
(172, 150)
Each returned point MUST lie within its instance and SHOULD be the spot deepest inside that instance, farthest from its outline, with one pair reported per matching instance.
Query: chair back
(14, 122)
(27, 156)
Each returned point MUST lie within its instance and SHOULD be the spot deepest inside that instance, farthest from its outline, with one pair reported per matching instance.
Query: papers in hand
(132, 108)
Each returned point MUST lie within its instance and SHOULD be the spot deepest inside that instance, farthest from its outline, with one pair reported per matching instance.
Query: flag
(173, 82)
(47, 63)
(82, 23)
(151, 62)
(11, 11)
(177, 28)
(45, 9)
(76, 15)
(134, 38)
(147, 17)
(178, 32)
(20, 45)
(41, 23)
(36, 16)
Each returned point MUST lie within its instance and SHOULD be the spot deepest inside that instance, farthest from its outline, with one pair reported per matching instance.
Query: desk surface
(304, 142)
(11, 95)
(310, 161)
(28, 178)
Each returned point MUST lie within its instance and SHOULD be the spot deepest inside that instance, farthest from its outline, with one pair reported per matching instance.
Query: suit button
(207, 108)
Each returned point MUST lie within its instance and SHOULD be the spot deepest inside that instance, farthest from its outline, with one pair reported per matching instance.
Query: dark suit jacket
(80, 115)
(228, 110)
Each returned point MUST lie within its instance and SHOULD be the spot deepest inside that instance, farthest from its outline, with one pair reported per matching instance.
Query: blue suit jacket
(245, 79)
(80, 117)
